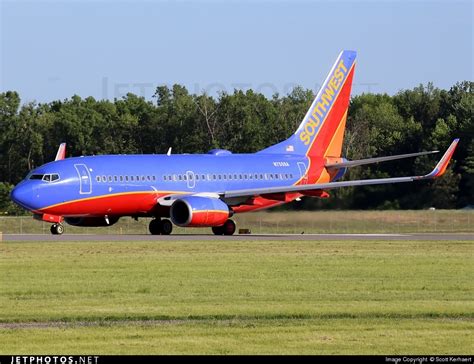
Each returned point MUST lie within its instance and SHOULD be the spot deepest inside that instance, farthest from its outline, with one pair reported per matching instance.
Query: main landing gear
(57, 229)
(227, 229)
(160, 227)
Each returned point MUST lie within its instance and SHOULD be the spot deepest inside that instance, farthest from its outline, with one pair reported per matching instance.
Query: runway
(243, 237)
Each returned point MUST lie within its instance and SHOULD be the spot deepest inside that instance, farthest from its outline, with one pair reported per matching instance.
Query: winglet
(443, 162)
(61, 154)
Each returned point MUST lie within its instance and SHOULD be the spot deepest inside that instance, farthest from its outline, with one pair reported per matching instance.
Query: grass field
(287, 297)
(403, 221)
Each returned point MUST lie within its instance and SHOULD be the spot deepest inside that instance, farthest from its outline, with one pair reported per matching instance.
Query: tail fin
(61, 153)
(322, 130)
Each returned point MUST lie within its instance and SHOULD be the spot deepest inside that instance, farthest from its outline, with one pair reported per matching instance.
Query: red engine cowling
(199, 211)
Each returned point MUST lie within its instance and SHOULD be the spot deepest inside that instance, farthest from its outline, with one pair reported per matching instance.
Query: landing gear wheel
(155, 227)
(229, 227)
(57, 229)
(166, 227)
(218, 230)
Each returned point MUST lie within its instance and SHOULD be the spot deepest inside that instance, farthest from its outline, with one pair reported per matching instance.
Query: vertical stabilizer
(322, 130)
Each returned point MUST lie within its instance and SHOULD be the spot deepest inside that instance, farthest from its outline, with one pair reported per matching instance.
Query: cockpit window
(52, 177)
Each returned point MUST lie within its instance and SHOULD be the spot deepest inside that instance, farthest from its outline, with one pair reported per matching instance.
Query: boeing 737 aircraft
(205, 190)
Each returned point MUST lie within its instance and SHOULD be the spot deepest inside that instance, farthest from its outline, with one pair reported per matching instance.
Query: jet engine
(199, 211)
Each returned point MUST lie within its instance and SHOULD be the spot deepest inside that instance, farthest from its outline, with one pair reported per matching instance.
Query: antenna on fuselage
(168, 153)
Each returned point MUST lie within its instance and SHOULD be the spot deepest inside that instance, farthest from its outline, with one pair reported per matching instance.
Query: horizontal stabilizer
(360, 162)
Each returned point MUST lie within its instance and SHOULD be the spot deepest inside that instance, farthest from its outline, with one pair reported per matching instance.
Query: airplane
(206, 190)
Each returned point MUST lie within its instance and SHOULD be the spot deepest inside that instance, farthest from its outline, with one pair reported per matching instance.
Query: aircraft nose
(23, 195)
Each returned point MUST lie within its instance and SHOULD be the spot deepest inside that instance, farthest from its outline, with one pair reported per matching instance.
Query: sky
(54, 49)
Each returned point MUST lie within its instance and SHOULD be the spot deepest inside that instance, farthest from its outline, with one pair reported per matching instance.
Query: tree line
(424, 118)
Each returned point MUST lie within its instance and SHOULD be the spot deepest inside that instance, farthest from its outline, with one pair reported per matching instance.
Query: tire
(166, 227)
(155, 227)
(57, 229)
(218, 230)
(229, 227)
(60, 229)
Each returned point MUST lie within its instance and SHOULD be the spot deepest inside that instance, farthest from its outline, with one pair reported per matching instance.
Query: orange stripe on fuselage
(131, 203)
(114, 204)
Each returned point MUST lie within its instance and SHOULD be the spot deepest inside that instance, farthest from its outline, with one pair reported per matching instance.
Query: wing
(436, 172)
(360, 162)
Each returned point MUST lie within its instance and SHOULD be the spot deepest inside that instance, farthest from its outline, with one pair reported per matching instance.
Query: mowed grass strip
(238, 336)
(264, 222)
(237, 297)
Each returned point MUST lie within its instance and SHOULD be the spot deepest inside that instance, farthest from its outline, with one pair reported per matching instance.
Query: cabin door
(85, 182)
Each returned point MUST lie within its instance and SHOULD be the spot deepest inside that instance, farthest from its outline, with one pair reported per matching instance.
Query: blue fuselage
(90, 178)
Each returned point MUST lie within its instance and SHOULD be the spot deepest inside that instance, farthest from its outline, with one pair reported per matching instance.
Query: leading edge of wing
(436, 172)
(361, 162)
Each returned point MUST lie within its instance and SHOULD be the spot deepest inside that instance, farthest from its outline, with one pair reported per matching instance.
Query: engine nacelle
(92, 221)
(199, 211)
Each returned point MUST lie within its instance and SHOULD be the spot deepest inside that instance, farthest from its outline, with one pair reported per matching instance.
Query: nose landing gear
(57, 229)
